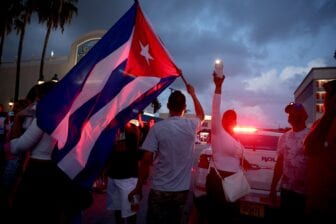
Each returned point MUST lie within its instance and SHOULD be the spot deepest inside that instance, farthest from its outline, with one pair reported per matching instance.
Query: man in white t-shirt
(169, 147)
(291, 165)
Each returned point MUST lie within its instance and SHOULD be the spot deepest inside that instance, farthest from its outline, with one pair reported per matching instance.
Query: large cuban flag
(121, 75)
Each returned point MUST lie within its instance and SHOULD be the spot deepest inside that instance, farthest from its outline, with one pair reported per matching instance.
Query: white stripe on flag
(93, 85)
(76, 159)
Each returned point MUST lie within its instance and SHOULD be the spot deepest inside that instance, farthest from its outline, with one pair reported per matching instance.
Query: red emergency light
(244, 129)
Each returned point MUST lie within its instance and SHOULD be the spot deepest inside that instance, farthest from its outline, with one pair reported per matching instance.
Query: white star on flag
(144, 52)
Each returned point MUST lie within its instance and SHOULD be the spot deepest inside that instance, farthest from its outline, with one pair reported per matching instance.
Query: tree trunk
(3, 34)
(46, 39)
(18, 63)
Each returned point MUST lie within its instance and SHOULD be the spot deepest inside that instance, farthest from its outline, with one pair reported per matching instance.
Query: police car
(260, 152)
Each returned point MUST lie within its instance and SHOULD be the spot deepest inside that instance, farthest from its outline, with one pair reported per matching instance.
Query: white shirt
(34, 139)
(226, 151)
(172, 141)
(291, 146)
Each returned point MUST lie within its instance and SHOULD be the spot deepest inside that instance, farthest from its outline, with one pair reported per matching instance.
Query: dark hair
(44, 88)
(229, 115)
(176, 101)
(229, 118)
(20, 105)
(330, 87)
(297, 109)
(31, 95)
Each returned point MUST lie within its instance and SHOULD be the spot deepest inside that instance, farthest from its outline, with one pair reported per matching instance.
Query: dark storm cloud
(262, 43)
(266, 20)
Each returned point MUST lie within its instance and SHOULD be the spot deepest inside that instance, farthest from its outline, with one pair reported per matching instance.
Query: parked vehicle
(260, 152)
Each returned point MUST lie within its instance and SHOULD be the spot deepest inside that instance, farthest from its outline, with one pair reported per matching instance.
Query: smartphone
(219, 68)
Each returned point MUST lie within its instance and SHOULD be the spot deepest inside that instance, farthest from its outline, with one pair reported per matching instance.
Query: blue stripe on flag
(118, 80)
(95, 99)
(98, 157)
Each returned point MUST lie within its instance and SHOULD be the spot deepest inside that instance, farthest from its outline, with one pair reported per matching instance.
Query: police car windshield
(258, 141)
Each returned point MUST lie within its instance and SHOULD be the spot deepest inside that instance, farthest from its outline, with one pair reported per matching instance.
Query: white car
(260, 152)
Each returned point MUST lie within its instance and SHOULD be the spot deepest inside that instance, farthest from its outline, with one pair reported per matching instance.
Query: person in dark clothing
(320, 149)
(122, 172)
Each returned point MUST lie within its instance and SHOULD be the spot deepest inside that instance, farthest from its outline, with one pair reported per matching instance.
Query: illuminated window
(319, 108)
(319, 83)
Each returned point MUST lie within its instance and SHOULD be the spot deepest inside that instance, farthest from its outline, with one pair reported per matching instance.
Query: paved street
(97, 213)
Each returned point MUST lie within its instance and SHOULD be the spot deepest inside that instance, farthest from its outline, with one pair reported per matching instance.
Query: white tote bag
(235, 186)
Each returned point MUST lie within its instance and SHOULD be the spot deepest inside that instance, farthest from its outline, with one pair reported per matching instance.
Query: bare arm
(17, 128)
(218, 83)
(216, 103)
(278, 170)
(198, 107)
(143, 173)
(141, 123)
(28, 140)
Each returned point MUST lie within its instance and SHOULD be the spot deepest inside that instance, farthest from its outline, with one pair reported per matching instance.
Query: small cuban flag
(121, 75)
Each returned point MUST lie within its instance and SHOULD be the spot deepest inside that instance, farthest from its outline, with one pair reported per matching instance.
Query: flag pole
(184, 80)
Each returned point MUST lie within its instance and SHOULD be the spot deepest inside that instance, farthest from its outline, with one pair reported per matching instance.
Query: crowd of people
(35, 190)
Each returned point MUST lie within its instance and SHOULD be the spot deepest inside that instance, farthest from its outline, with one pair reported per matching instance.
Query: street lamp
(11, 104)
(172, 89)
(40, 80)
(55, 78)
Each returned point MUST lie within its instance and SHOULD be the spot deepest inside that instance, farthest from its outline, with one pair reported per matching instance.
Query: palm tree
(8, 11)
(55, 13)
(26, 9)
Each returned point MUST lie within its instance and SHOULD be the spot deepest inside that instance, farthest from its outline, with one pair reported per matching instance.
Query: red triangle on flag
(147, 56)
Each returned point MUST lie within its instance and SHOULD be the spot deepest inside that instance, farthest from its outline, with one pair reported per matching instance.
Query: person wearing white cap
(291, 165)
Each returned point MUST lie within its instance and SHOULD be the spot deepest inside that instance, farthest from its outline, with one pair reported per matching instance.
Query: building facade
(29, 74)
(310, 92)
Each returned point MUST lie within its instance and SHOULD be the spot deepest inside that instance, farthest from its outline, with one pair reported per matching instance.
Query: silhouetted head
(297, 115)
(39, 90)
(330, 98)
(176, 103)
(330, 88)
(229, 120)
(44, 89)
(151, 122)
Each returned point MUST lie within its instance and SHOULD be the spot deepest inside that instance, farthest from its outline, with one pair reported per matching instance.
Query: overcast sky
(268, 46)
